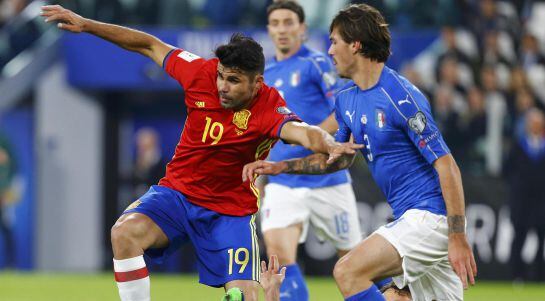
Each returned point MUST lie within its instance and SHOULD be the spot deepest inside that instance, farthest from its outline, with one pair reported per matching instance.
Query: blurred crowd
(482, 78)
(486, 72)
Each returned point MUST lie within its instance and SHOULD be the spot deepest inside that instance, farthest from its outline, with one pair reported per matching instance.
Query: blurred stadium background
(86, 127)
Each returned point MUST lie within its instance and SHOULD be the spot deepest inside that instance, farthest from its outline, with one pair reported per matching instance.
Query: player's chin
(227, 103)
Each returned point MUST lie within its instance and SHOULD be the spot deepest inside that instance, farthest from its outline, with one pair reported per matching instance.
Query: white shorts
(330, 210)
(421, 239)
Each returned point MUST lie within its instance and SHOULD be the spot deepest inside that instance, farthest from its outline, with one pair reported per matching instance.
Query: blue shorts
(226, 246)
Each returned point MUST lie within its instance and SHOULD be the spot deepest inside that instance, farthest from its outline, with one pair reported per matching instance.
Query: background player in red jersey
(233, 118)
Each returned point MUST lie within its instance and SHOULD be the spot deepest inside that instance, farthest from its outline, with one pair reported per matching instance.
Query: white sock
(132, 279)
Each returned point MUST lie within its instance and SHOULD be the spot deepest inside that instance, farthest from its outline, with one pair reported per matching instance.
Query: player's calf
(249, 288)
(130, 236)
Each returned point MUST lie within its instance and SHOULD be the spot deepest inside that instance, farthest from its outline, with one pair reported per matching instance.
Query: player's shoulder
(345, 90)
(403, 97)
(268, 95)
(318, 61)
(270, 65)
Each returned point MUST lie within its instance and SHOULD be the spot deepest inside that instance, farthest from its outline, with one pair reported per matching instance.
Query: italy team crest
(295, 78)
(240, 119)
(380, 119)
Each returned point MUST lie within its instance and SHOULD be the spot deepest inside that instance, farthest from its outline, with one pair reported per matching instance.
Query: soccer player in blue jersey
(307, 80)
(426, 247)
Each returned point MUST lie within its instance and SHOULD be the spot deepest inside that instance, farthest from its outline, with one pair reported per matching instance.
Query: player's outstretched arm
(272, 278)
(313, 164)
(317, 140)
(459, 252)
(127, 38)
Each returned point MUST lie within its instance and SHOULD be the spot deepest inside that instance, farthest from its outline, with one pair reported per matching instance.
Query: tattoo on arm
(456, 224)
(316, 164)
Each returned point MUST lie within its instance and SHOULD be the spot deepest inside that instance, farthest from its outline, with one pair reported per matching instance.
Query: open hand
(347, 148)
(67, 19)
(461, 258)
(271, 277)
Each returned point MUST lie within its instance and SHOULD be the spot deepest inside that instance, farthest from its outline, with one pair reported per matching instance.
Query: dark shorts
(226, 246)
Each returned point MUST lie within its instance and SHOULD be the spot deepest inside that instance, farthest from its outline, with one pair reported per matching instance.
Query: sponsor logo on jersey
(199, 104)
(406, 100)
(283, 110)
(417, 123)
(188, 56)
(364, 119)
(240, 119)
(295, 78)
(422, 143)
(380, 119)
(350, 116)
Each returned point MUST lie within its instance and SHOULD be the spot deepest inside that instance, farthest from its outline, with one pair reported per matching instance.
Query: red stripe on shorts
(131, 275)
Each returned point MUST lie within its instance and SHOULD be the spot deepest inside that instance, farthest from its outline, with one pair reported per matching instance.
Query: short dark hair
(287, 4)
(363, 23)
(242, 53)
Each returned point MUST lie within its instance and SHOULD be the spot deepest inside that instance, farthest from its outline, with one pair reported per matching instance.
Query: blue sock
(294, 287)
(380, 284)
(370, 294)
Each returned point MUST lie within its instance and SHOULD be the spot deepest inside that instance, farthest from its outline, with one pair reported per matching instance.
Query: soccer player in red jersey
(233, 118)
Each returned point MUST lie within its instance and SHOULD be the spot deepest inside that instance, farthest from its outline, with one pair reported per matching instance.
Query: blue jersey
(393, 120)
(307, 81)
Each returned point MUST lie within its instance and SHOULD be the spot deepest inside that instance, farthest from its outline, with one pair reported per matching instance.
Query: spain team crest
(241, 118)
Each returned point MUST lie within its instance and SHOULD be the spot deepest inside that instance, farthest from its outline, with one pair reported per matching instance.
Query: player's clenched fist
(67, 19)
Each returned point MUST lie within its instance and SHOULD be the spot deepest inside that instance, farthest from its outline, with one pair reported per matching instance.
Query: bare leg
(133, 233)
(283, 243)
(249, 288)
(373, 258)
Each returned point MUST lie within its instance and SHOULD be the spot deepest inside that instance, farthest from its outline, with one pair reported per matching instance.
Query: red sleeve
(277, 114)
(182, 65)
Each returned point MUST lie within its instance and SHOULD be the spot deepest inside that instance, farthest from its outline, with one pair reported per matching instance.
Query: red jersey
(216, 143)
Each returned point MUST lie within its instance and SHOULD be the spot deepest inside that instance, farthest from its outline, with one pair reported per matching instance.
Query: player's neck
(367, 73)
(280, 56)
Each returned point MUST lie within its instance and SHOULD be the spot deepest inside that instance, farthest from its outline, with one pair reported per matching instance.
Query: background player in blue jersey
(307, 80)
(426, 246)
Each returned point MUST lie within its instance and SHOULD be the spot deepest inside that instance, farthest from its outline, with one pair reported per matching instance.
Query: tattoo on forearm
(456, 224)
(316, 164)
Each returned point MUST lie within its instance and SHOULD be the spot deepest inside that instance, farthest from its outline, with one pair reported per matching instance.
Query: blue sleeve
(323, 72)
(414, 117)
(343, 133)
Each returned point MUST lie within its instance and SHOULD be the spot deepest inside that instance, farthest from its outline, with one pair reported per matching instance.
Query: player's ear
(259, 79)
(356, 47)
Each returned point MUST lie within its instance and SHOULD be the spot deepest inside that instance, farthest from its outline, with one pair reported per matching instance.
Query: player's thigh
(282, 207)
(283, 242)
(373, 258)
(334, 215)
(250, 288)
(226, 247)
(141, 229)
(156, 222)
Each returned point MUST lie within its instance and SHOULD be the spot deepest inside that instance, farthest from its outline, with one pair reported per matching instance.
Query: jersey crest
(240, 119)
(380, 119)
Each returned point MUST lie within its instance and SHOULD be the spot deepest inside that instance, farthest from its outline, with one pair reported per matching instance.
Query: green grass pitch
(95, 287)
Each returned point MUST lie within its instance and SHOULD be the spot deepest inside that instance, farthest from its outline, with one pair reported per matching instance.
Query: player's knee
(345, 270)
(341, 270)
(124, 233)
